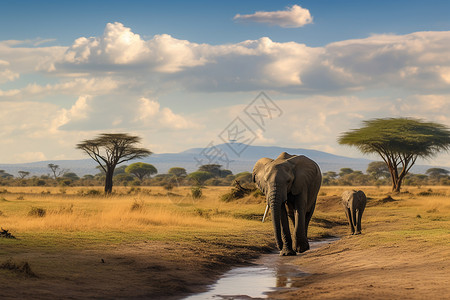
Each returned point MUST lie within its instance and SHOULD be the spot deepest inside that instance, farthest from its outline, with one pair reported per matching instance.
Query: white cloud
(293, 17)
(120, 46)
(6, 74)
(78, 111)
(419, 61)
(93, 86)
(128, 78)
(150, 113)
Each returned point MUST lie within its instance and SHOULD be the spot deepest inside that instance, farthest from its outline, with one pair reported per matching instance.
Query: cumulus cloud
(419, 60)
(78, 111)
(293, 17)
(96, 65)
(5, 73)
(121, 47)
(150, 113)
(92, 86)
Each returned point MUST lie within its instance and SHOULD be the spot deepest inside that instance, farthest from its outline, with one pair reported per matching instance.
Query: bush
(168, 186)
(196, 192)
(37, 212)
(137, 205)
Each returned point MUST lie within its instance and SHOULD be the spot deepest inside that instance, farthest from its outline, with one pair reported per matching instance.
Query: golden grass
(148, 213)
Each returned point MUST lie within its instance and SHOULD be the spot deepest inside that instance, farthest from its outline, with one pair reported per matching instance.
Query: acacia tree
(399, 142)
(23, 174)
(141, 170)
(378, 169)
(177, 172)
(111, 149)
(56, 170)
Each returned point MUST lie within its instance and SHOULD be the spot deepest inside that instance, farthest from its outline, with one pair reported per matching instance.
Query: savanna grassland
(145, 243)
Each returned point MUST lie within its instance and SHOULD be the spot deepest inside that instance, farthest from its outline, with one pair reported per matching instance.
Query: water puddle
(269, 273)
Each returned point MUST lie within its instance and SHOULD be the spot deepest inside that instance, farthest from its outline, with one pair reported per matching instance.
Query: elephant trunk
(275, 200)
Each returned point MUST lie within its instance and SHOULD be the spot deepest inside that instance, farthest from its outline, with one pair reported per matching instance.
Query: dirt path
(403, 253)
(345, 270)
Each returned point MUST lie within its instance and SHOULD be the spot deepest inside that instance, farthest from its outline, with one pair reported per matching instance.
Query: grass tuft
(37, 212)
(20, 268)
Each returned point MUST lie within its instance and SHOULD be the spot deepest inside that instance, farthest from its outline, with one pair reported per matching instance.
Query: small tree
(71, 175)
(3, 174)
(437, 173)
(399, 142)
(345, 171)
(215, 169)
(56, 170)
(23, 174)
(141, 170)
(178, 172)
(378, 169)
(111, 149)
(199, 177)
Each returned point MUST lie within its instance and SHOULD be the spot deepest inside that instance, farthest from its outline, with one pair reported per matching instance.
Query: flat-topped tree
(399, 142)
(111, 149)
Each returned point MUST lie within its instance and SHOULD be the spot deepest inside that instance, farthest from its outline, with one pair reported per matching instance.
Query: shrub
(168, 186)
(196, 192)
(93, 193)
(37, 212)
(137, 205)
(65, 209)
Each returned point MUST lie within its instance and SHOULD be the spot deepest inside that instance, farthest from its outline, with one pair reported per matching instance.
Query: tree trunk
(396, 180)
(109, 181)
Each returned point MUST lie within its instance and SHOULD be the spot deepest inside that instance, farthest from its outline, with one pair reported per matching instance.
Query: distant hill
(191, 159)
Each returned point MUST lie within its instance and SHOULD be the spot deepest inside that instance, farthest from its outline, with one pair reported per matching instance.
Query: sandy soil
(345, 270)
(377, 264)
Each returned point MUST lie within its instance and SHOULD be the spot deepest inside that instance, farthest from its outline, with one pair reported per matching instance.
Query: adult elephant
(291, 184)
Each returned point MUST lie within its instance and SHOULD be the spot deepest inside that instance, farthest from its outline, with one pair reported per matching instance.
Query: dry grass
(153, 239)
(150, 212)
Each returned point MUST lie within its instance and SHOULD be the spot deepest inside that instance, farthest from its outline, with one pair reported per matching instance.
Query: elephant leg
(308, 217)
(300, 240)
(286, 233)
(290, 210)
(354, 219)
(358, 224)
(349, 218)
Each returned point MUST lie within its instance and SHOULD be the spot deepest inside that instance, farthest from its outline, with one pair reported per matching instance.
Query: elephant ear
(304, 170)
(259, 173)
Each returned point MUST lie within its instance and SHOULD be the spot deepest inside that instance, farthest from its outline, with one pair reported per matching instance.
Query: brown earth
(403, 253)
(151, 270)
(394, 258)
(345, 270)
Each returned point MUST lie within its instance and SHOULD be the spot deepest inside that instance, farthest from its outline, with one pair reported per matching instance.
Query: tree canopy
(199, 177)
(399, 142)
(215, 169)
(378, 169)
(111, 149)
(141, 170)
(177, 171)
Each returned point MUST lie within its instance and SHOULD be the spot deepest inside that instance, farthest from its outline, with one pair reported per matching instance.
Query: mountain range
(235, 157)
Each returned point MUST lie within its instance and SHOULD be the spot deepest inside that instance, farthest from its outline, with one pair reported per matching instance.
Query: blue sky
(177, 72)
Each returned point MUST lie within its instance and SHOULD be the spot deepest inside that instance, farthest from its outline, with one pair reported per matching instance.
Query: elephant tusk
(265, 213)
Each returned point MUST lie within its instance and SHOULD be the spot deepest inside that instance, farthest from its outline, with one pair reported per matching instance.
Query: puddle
(269, 273)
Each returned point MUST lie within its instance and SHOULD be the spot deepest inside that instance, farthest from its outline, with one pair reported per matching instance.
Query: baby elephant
(354, 203)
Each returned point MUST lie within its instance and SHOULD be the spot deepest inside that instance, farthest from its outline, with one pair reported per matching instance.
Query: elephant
(354, 203)
(291, 184)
